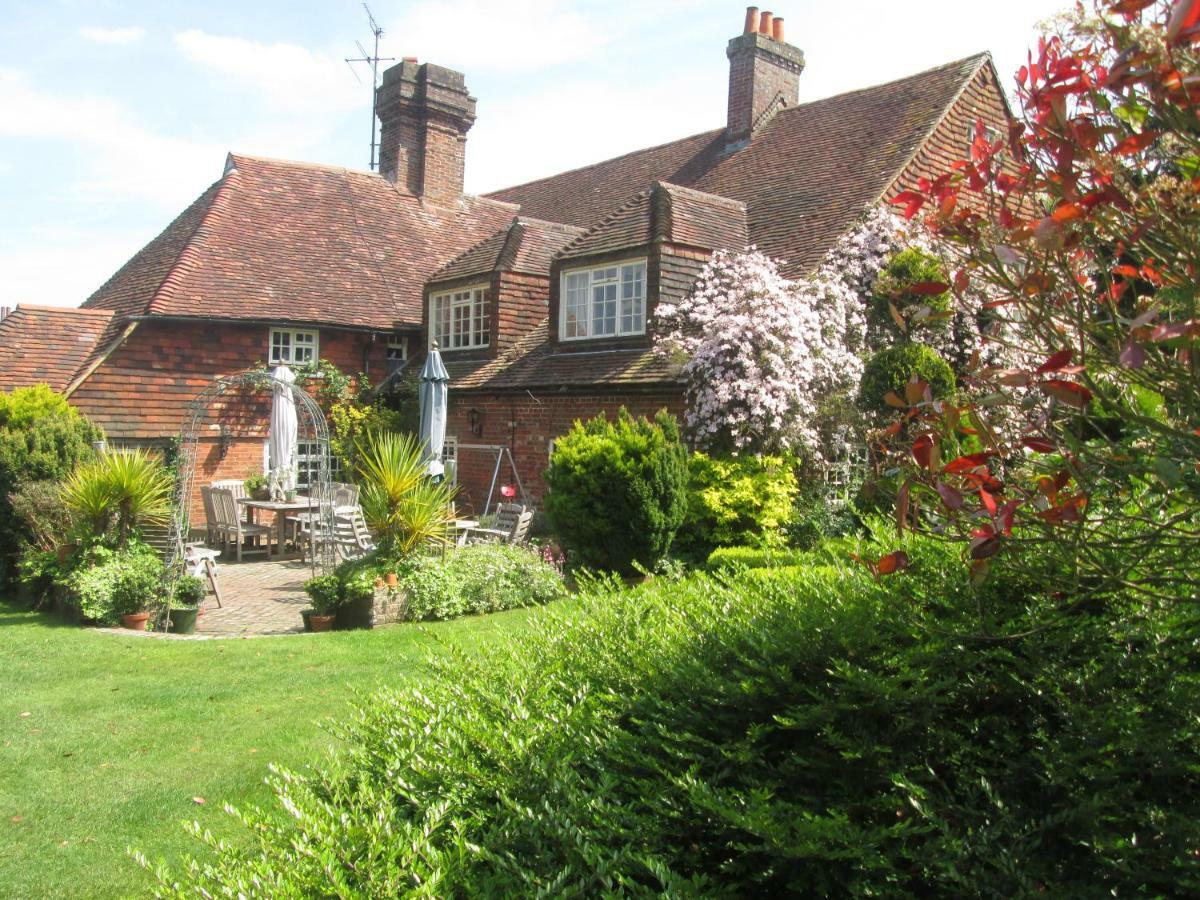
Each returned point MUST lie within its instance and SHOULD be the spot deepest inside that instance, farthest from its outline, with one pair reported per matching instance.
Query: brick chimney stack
(764, 76)
(4, 311)
(425, 113)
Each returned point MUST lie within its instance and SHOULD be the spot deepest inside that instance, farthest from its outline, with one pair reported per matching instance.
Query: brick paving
(258, 598)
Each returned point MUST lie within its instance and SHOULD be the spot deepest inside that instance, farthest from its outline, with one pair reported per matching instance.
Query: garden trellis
(312, 430)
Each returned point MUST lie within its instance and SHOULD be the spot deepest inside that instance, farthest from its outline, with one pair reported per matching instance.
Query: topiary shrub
(891, 369)
(478, 578)
(920, 309)
(736, 500)
(42, 438)
(618, 491)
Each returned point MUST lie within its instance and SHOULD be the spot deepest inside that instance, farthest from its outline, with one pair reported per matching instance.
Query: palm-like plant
(400, 502)
(119, 491)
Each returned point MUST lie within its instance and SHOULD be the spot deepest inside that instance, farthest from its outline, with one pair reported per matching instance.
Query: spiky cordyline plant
(401, 503)
(117, 492)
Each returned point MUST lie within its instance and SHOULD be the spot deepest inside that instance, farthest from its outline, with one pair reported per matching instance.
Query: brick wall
(524, 300)
(526, 423)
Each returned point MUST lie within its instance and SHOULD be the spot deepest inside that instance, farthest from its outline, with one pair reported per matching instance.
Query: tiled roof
(526, 245)
(669, 212)
(49, 344)
(804, 177)
(293, 242)
(533, 363)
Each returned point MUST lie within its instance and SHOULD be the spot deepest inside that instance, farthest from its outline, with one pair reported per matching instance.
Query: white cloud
(112, 35)
(118, 159)
(51, 266)
(477, 35)
(291, 77)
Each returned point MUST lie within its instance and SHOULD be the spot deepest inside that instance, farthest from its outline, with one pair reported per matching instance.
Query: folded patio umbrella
(434, 397)
(283, 435)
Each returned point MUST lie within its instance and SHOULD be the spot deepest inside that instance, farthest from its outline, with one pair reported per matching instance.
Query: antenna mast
(374, 59)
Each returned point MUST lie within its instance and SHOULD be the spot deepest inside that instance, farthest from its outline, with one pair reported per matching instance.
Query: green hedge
(478, 578)
(753, 558)
(818, 735)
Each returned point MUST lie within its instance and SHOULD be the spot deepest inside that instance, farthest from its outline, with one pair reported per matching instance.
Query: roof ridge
(189, 257)
(513, 187)
(672, 187)
(511, 245)
(592, 229)
(548, 224)
(46, 307)
(976, 58)
(300, 164)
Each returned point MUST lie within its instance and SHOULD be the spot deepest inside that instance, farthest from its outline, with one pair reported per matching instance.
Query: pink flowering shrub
(767, 358)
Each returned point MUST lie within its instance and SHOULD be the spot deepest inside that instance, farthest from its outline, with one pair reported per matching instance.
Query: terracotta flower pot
(135, 621)
(391, 579)
(321, 623)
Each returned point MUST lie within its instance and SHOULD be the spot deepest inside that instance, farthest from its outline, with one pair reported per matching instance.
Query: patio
(262, 597)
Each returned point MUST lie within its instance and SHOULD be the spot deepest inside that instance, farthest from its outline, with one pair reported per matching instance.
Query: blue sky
(115, 115)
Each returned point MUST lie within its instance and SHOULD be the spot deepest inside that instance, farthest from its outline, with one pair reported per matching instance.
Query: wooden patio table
(280, 508)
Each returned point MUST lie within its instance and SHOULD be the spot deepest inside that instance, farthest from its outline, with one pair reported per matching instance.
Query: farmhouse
(540, 296)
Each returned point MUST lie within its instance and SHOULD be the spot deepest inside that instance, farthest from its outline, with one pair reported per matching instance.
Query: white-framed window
(459, 319)
(397, 352)
(293, 346)
(450, 458)
(308, 463)
(606, 301)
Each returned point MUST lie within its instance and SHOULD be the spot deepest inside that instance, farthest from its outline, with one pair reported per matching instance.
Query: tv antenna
(374, 59)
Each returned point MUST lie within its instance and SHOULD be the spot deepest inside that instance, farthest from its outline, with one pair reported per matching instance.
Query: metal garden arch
(311, 429)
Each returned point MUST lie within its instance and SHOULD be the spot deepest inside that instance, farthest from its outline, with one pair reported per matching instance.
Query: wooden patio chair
(236, 487)
(234, 529)
(212, 525)
(511, 526)
(351, 537)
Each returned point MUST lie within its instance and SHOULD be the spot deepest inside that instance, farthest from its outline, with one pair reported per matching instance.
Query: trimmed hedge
(815, 735)
(893, 368)
(753, 558)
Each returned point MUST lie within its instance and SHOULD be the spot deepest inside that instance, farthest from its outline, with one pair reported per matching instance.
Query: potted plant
(258, 487)
(325, 591)
(357, 599)
(185, 605)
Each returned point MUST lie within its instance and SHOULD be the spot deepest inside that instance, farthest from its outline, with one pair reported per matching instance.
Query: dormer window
(459, 320)
(606, 301)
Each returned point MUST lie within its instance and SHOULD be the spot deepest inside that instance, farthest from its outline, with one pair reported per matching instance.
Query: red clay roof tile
(49, 344)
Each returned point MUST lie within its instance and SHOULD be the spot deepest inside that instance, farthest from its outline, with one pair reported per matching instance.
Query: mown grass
(108, 741)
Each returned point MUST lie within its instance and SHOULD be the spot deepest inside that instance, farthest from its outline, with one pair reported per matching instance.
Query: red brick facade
(527, 423)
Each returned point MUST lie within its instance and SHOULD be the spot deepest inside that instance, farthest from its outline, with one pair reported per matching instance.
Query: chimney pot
(777, 26)
(751, 20)
(764, 24)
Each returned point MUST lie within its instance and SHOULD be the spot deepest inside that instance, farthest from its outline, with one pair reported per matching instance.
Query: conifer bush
(618, 491)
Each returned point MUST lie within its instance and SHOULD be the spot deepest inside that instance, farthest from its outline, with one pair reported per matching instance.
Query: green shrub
(42, 438)
(891, 369)
(189, 592)
(325, 592)
(752, 558)
(736, 500)
(618, 491)
(478, 578)
(105, 584)
(814, 735)
(894, 286)
(816, 517)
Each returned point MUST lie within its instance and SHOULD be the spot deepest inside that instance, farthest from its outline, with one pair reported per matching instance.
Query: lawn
(112, 741)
